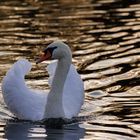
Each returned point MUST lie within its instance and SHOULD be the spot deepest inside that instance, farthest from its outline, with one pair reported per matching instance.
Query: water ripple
(104, 38)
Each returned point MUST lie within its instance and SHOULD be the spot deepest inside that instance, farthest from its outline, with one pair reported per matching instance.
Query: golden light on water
(104, 38)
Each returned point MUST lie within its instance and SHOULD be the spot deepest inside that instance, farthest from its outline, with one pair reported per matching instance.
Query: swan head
(56, 50)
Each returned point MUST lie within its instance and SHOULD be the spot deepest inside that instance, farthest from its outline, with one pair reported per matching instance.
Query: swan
(66, 95)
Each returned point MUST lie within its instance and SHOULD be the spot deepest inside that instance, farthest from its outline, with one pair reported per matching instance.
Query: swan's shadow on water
(28, 130)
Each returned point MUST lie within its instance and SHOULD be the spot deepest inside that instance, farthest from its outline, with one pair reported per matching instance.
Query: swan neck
(60, 76)
(54, 106)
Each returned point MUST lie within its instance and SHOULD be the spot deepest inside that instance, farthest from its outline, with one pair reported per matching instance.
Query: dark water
(105, 38)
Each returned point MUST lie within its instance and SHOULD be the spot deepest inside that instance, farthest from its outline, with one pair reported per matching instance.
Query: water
(104, 37)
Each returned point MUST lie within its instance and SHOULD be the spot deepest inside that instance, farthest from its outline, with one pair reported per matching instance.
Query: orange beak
(43, 57)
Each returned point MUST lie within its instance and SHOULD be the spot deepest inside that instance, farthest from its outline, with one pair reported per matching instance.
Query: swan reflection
(22, 131)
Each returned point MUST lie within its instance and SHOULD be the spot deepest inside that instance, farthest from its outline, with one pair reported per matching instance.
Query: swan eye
(50, 50)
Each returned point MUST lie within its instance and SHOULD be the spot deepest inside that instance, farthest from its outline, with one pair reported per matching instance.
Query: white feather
(27, 104)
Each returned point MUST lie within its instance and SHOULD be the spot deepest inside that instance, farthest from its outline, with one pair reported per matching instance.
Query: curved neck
(54, 106)
(61, 72)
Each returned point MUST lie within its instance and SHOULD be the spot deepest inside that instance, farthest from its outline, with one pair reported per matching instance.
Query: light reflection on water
(104, 37)
(32, 131)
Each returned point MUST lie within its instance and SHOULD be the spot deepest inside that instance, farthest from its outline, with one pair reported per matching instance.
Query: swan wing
(51, 71)
(23, 102)
(73, 92)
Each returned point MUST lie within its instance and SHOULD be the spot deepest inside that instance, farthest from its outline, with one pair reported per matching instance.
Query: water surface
(104, 37)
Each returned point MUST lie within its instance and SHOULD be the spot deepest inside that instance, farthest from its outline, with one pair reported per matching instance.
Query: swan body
(66, 95)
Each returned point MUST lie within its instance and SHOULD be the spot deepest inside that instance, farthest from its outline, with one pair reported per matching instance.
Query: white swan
(66, 94)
